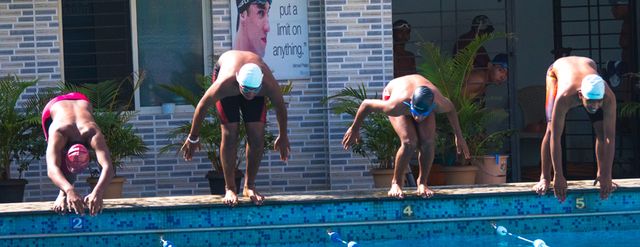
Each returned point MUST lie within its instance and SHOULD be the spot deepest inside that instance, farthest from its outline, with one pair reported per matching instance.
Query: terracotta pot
(459, 174)
(382, 177)
(114, 189)
(436, 176)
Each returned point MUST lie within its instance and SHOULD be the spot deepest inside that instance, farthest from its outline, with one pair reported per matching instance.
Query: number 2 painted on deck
(77, 223)
(407, 211)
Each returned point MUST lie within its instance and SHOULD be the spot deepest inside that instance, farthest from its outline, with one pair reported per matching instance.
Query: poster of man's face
(253, 26)
(276, 30)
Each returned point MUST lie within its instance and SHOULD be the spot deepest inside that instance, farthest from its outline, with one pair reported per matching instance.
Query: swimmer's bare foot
(424, 191)
(60, 204)
(256, 198)
(396, 191)
(541, 187)
(230, 198)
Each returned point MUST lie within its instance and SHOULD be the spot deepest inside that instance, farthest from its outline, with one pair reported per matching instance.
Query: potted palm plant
(629, 112)
(112, 115)
(379, 141)
(211, 136)
(21, 138)
(449, 75)
(630, 109)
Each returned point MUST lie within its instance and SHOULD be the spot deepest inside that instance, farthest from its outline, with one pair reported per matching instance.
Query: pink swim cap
(77, 158)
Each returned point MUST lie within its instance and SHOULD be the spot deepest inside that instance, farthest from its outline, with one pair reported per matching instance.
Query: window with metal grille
(97, 42)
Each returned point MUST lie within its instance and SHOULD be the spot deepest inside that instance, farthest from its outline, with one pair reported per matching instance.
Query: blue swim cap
(502, 60)
(592, 87)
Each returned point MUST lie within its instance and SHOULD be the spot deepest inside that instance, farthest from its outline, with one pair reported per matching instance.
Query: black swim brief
(254, 110)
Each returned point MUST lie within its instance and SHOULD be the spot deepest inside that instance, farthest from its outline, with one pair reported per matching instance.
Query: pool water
(554, 239)
(458, 217)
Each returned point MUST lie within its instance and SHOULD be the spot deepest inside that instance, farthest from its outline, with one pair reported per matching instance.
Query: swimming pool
(457, 216)
(582, 239)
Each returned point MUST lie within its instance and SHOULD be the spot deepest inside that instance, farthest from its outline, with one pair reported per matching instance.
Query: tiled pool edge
(201, 219)
(454, 191)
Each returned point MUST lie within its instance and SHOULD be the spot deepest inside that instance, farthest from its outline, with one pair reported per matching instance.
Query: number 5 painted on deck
(407, 211)
(580, 203)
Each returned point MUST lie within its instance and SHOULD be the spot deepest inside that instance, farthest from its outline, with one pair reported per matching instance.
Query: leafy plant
(21, 137)
(379, 139)
(449, 75)
(112, 117)
(210, 132)
(630, 109)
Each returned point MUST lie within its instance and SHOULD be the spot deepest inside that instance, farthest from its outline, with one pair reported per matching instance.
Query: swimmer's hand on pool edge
(93, 202)
(74, 202)
(607, 186)
(560, 188)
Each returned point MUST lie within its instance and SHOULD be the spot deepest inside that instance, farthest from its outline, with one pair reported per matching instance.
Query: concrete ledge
(317, 196)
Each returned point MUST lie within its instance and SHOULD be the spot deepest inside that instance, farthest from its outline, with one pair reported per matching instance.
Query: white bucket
(493, 169)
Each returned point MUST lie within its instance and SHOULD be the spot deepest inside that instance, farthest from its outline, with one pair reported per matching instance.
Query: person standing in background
(479, 26)
(404, 62)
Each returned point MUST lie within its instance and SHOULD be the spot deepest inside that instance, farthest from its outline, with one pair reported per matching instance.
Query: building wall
(358, 50)
(30, 44)
(349, 43)
(30, 49)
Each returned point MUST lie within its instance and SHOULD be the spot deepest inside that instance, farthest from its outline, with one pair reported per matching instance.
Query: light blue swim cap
(250, 75)
(592, 87)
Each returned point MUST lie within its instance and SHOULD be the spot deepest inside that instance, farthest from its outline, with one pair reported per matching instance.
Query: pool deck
(315, 196)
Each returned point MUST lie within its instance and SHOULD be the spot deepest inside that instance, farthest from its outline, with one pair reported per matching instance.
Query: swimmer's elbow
(51, 174)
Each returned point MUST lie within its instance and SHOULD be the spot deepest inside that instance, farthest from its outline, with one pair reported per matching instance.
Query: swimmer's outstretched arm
(605, 146)
(94, 200)
(210, 97)
(55, 145)
(557, 123)
(274, 94)
(389, 107)
(447, 107)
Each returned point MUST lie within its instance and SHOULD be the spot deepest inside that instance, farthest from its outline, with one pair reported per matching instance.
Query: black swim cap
(422, 99)
(244, 4)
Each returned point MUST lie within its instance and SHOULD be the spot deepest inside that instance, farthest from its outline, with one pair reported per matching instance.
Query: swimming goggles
(403, 25)
(248, 90)
(416, 113)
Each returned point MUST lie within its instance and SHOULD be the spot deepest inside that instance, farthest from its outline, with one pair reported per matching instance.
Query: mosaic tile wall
(307, 222)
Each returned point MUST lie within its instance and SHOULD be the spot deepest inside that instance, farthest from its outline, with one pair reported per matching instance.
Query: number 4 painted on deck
(407, 211)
